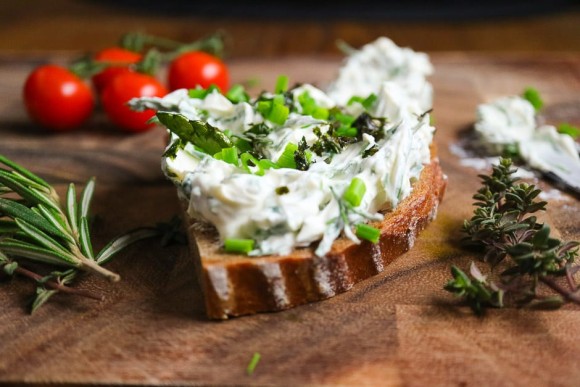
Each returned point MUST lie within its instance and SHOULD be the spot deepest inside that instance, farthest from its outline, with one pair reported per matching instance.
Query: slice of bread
(235, 285)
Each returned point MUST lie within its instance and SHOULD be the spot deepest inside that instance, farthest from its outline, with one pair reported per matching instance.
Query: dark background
(270, 28)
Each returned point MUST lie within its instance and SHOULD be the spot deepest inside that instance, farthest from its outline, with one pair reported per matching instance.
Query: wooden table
(398, 328)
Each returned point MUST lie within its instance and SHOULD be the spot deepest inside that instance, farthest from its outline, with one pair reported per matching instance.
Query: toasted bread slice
(235, 285)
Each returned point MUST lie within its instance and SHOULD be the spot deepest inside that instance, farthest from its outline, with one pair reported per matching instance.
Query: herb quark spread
(299, 165)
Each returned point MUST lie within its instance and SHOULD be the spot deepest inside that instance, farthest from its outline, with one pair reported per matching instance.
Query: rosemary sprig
(519, 250)
(36, 228)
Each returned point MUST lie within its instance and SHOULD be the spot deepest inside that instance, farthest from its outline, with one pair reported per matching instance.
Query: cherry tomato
(198, 69)
(57, 99)
(123, 88)
(122, 59)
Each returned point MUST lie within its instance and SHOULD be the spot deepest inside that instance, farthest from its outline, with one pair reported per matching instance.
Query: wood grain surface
(398, 328)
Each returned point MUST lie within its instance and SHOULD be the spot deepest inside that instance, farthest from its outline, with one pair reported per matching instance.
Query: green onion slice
(286, 159)
(368, 233)
(233, 245)
(281, 84)
(279, 113)
(237, 94)
(355, 192)
(229, 155)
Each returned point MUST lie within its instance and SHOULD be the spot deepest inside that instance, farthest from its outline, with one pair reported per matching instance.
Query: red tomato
(198, 69)
(57, 98)
(122, 89)
(121, 57)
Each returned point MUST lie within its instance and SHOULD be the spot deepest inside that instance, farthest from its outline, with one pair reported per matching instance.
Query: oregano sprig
(520, 251)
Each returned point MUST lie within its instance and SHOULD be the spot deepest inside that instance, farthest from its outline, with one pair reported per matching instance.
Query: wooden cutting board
(398, 328)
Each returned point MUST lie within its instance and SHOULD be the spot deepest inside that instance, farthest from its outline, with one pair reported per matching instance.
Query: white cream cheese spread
(298, 152)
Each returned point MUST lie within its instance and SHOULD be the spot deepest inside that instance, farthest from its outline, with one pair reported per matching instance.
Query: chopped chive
(307, 102)
(247, 157)
(266, 164)
(281, 84)
(278, 100)
(230, 155)
(237, 94)
(346, 119)
(346, 132)
(368, 233)
(197, 93)
(264, 107)
(233, 245)
(278, 114)
(253, 363)
(533, 96)
(570, 130)
(369, 101)
(320, 113)
(354, 99)
(286, 159)
(355, 192)
(211, 89)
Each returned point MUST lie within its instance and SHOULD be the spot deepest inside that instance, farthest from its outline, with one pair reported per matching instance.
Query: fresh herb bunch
(515, 244)
(36, 228)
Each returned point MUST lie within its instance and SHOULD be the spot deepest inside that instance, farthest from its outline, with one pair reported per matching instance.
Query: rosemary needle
(36, 227)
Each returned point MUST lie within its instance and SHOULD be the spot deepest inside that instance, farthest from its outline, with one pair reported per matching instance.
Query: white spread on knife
(511, 122)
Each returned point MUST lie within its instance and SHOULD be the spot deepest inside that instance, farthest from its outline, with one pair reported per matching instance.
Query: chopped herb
(302, 156)
(570, 130)
(259, 129)
(533, 96)
(202, 93)
(368, 233)
(197, 93)
(172, 149)
(274, 109)
(228, 155)
(344, 119)
(355, 192)
(253, 363)
(325, 144)
(278, 113)
(237, 94)
(295, 156)
(243, 246)
(309, 107)
(282, 190)
(367, 102)
(371, 151)
(365, 123)
(346, 131)
(286, 159)
(247, 158)
(281, 84)
(242, 144)
(266, 164)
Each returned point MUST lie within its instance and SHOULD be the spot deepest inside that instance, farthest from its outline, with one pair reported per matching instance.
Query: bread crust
(236, 285)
